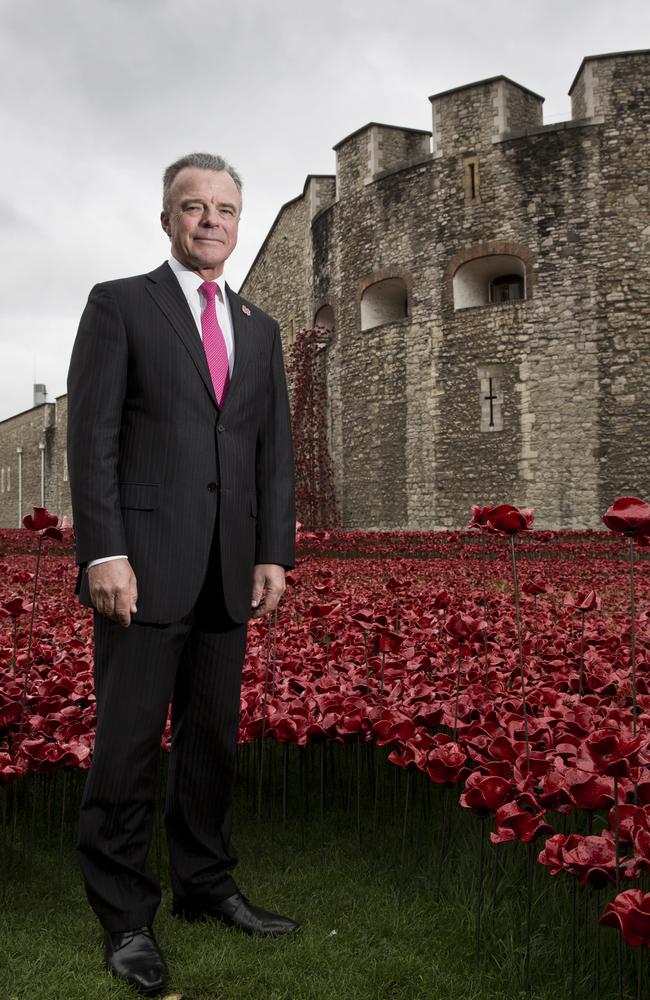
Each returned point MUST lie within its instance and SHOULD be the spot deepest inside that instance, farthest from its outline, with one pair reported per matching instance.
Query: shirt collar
(192, 281)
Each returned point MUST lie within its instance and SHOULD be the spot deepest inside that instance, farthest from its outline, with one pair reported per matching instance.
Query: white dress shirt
(190, 282)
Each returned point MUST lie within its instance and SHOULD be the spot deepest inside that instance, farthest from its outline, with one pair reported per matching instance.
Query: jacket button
(212, 487)
(221, 428)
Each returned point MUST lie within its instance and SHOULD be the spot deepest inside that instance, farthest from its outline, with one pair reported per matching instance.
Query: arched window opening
(384, 302)
(325, 317)
(488, 280)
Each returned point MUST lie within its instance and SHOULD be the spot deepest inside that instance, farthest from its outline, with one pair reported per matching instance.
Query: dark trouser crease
(196, 663)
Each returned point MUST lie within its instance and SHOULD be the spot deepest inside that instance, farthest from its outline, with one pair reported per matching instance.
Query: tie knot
(209, 289)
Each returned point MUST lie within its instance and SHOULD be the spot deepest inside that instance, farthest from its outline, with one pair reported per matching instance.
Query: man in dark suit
(180, 467)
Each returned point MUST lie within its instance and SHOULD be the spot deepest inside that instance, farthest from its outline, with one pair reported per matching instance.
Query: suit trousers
(195, 663)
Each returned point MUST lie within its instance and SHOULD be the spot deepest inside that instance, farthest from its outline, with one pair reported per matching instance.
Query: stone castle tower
(488, 284)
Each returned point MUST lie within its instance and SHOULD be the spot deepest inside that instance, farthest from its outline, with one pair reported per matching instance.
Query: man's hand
(113, 590)
(268, 588)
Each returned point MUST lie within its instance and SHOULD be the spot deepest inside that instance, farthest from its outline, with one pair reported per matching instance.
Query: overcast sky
(99, 95)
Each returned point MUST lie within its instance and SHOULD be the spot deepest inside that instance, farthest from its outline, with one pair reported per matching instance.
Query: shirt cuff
(96, 562)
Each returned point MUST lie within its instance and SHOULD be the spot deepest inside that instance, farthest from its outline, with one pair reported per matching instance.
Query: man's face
(202, 220)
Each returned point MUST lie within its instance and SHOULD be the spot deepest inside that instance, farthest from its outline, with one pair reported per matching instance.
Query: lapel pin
(246, 311)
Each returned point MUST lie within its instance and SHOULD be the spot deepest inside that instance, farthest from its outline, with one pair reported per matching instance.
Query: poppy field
(504, 669)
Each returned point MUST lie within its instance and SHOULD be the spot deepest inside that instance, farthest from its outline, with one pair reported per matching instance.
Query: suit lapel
(168, 295)
(243, 332)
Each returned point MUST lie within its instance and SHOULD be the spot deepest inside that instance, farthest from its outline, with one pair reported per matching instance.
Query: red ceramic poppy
(628, 516)
(630, 913)
(464, 627)
(480, 516)
(515, 823)
(535, 587)
(509, 520)
(16, 606)
(485, 793)
(41, 522)
(588, 602)
(446, 762)
(608, 753)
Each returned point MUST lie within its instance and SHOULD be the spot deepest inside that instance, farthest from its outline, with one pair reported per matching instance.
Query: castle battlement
(468, 118)
(610, 84)
(376, 149)
(319, 192)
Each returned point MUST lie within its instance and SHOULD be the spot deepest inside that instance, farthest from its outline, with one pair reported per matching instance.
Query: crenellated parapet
(319, 192)
(478, 114)
(375, 150)
(610, 84)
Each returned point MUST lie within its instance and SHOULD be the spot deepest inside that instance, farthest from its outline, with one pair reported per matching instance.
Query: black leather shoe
(236, 911)
(134, 957)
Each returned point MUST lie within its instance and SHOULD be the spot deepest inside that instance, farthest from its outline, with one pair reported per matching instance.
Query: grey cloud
(99, 95)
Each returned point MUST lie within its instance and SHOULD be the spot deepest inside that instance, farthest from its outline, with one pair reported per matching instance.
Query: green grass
(381, 919)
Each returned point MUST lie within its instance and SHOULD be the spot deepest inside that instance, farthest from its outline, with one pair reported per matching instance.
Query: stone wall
(61, 498)
(284, 265)
(33, 470)
(410, 429)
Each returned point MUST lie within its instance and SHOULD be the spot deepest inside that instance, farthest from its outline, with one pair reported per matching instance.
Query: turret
(611, 84)
(478, 114)
(375, 150)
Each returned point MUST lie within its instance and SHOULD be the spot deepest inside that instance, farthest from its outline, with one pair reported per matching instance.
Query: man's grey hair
(204, 161)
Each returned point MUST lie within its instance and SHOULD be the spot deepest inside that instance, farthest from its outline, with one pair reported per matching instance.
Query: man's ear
(164, 222)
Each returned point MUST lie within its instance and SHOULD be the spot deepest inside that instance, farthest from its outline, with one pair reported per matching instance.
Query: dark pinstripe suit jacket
(152, 458)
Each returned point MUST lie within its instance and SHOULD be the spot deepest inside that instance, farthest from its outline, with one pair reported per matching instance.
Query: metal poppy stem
(619, 962)
(582, 655)
(520, 646)
(275, 649)
(322, 803)
(483, 575)
(365, 648)
(285, 781)
(632, 632)
(574, 936)
(458, 679)
(487, 671)
(617, 839)
(479, 891)
(598, 931)
(23, 700)
(61, 834)
(405, 816)
(264, 704)
(639, 973)
(484, 585)
(442, 856)
(358, 797)
(529, 913)
(15, 656)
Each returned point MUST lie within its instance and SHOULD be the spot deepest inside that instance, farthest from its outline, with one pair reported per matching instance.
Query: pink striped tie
(214, 343)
